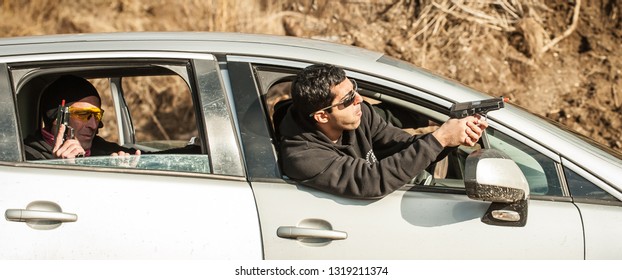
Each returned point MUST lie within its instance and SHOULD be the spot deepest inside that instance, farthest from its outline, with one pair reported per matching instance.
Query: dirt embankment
(558, 59)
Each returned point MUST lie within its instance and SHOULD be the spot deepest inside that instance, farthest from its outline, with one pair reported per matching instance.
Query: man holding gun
(81, 101)
(333, 141)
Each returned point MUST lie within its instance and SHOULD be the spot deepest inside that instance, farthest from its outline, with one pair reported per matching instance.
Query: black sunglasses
(346, 101)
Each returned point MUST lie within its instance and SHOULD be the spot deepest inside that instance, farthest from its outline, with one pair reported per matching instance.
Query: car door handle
(299, 232)
(23, 215)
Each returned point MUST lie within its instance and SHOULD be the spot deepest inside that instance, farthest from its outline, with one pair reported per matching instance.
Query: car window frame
(252, 122)
(408, 94)
(200, 95)
(566, 163)
(11, 149)
(438, 110)
(217, 117)
(104, 69)
(288, 68)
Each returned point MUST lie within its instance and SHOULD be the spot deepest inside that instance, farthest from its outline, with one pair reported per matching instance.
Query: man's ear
(321, 117)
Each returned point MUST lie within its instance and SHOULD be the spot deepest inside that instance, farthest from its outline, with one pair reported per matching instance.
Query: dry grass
(39, 17)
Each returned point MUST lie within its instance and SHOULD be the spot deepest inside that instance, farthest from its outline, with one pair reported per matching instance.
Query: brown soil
(558, 59)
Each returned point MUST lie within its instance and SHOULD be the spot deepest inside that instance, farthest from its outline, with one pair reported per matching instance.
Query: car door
(600, 211)
(414, 222)
(156, 206)
(303, 223)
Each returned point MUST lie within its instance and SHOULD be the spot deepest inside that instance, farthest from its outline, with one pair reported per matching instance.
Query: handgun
(62, 117)
(481, 107)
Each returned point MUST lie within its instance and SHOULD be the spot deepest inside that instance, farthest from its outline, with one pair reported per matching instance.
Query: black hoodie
(369, 162)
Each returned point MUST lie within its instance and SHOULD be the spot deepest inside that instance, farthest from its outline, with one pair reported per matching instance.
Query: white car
(535, 190)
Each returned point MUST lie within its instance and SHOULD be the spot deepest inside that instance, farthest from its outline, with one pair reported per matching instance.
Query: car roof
(236, 42)
(269, 46)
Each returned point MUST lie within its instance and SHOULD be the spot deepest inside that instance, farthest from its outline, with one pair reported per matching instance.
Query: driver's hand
(126, 159)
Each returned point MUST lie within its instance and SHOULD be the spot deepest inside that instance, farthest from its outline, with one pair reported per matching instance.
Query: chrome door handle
(23, 215)
(299, 232)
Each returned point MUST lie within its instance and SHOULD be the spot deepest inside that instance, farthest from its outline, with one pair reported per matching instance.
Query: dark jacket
(369, 162)
(36, 147)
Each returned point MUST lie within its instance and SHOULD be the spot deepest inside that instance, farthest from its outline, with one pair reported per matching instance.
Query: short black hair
(311, 88)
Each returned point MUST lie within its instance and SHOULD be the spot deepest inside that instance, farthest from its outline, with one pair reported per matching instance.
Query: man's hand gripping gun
(62, 117)
(479, 107)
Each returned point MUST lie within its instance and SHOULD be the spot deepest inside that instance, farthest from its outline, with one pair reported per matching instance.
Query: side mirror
(491, 175)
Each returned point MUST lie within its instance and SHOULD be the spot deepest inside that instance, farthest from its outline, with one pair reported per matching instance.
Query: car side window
(582, 189)
(162, 110)
(540, 170)
(146, 106)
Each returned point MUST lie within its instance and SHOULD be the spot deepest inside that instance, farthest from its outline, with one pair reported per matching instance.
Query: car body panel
(410, 224)
(602, 225)
(130, 216)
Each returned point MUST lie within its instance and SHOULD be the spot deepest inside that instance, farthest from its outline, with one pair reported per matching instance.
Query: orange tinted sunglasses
(86, 114)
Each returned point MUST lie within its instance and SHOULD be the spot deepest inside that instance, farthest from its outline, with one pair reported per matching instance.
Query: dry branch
(573, 26)
(479, 14)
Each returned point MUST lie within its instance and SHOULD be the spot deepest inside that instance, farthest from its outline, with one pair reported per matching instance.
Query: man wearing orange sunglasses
(333, 141)
(85, 115)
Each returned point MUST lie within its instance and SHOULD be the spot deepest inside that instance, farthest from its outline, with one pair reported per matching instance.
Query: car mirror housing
(491, 175)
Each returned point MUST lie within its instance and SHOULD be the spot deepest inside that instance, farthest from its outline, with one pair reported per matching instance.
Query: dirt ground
(559, 59)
